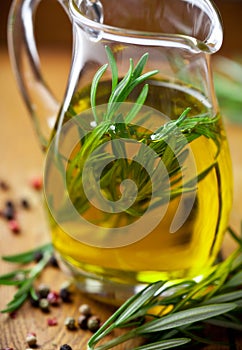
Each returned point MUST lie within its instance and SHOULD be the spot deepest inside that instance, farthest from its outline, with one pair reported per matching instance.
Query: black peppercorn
(93, 323)
(65, 295)
(43, 290)
(33, 302)
(53, 261)
(66, 291)
(25, 203)
(65, 347)
(82, 321)
(9, 204)
(70, 323)
(9, 211)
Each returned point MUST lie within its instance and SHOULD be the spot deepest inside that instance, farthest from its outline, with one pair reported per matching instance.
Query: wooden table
(21, 160)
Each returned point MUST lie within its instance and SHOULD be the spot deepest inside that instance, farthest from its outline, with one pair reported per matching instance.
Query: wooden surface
(21, 159)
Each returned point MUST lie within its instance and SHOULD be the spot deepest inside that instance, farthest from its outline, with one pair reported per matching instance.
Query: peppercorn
(93, 323)
(52, 321)
(65, 347)
(70, 323)
(4, 186)
(44, 305)
(31, 339)
(9, 211)
(13, 314)
(33, 302)
(36, 183)
(53, 261)
(65, 291)
(82, 321)
(85, 309)
(25, 203)
(53, 298)
(43, 290)
(65, 295)
(14, 226)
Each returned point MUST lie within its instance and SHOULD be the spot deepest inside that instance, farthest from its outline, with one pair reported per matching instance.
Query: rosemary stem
(234, 235)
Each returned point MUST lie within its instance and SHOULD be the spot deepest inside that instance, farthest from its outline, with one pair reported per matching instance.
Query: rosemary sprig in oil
(170, 142)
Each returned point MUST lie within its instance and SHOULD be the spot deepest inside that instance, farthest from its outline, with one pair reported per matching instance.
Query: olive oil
(190, 250)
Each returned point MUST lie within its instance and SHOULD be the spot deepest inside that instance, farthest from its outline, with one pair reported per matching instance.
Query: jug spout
(194, 23)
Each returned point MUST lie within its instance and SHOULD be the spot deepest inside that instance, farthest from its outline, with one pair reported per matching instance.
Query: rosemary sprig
(169, 142)
(165, 312)
(24, 278)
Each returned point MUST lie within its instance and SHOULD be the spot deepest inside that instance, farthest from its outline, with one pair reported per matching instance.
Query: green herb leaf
(185, 317)
(27, 257)
(94, 86)
(15, 303)
(113, 66)
(165, 344)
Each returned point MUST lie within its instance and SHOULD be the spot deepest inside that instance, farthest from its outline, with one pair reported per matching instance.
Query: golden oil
(161, 254)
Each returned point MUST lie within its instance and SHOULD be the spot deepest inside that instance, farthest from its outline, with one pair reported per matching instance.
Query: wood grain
(21, 159)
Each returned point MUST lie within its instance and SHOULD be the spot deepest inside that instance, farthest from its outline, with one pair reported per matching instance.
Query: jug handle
(39, 99)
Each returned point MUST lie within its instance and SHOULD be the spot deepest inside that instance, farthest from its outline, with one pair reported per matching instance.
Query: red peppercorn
(14, 226)
(52, 321)
(13, 314)
(36, 183)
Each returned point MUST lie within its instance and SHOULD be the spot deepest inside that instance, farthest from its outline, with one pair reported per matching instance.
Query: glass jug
(138, 181)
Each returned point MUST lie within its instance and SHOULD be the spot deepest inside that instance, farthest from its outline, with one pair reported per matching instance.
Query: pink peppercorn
(53, 298)
(14, 226)
(37, 183)
(52, 321)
